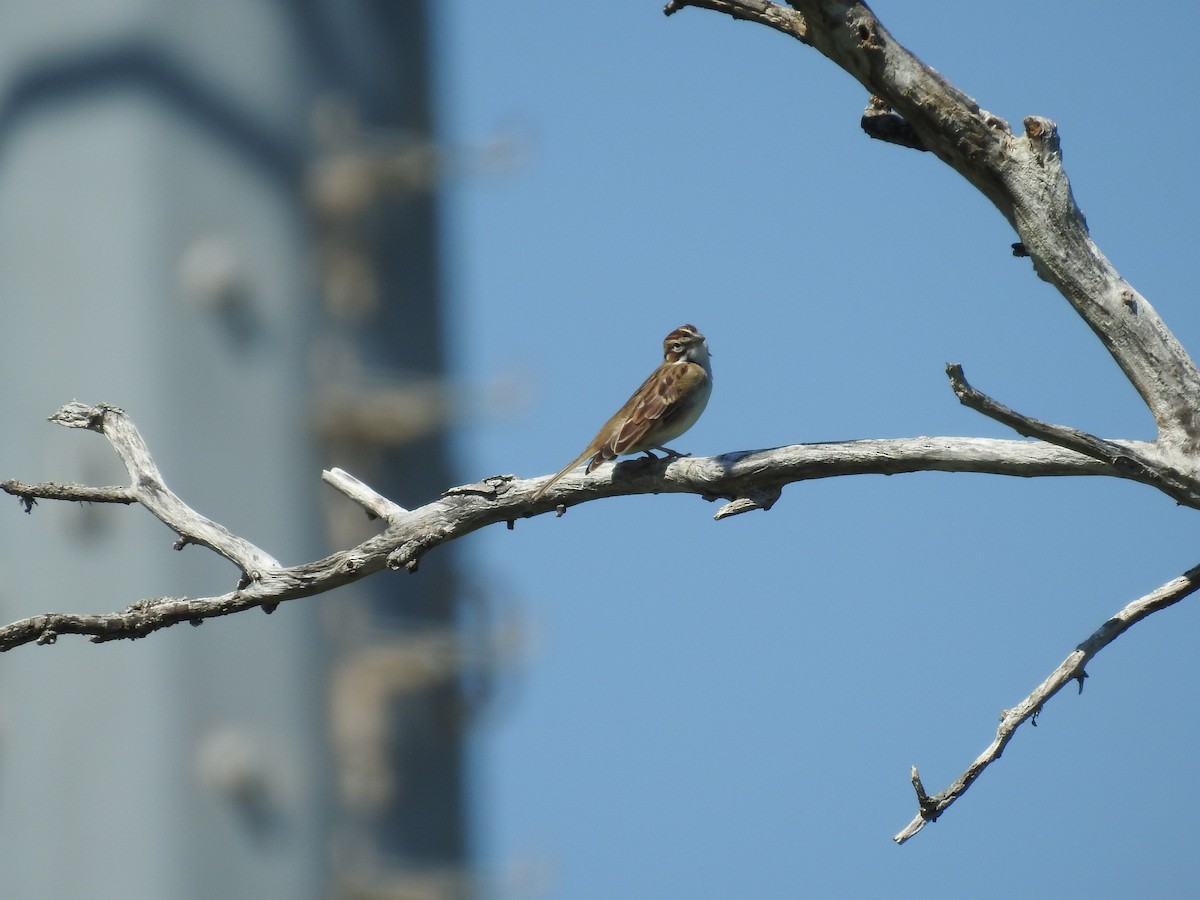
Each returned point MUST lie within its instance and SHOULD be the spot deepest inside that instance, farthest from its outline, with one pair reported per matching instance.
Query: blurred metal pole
(399, 718)
(220, 216)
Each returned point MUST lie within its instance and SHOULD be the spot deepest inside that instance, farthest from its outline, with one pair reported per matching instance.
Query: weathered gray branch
(773, 15)
(148, 488)
(1023, 177)
(376, 505)
(30, 494)
(1073, 668)
(749, 480)
(1145, 464)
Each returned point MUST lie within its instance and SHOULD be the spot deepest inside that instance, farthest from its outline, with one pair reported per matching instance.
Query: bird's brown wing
(650, 410)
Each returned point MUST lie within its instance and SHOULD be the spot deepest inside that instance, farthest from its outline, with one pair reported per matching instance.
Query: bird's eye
(677, 347)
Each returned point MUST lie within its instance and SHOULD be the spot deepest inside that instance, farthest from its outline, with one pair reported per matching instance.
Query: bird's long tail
(567, 468)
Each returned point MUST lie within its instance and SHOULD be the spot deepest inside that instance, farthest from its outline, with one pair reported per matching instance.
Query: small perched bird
(666, 405)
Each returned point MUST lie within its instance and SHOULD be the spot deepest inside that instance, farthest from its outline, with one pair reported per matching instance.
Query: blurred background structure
(220, 216)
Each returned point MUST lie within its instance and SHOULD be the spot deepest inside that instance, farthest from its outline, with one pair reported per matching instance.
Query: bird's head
(686, 343)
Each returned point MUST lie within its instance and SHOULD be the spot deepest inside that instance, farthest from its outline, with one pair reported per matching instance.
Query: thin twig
(29, 494)
(376, 505)
(1138, 464)
(1073, 668)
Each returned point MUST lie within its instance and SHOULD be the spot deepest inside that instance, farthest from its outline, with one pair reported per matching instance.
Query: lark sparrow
(664, 407)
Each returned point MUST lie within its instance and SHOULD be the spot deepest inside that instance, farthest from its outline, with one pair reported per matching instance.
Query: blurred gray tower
(218, 215)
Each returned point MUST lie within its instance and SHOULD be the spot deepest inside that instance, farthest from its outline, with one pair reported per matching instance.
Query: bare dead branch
(148, 488)
(1144, 465)
(376, 505)
(755, 475)
(1024, 178)
(1073, 668)
(750, 480)
(781, 18)
(29, 494)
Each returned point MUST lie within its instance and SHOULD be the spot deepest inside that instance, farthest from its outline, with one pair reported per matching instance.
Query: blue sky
(710, 709)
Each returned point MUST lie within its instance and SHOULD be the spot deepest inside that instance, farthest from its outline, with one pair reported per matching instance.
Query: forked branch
(1144, 463)
(911, 105)
(147, 488)
(1022, 175)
